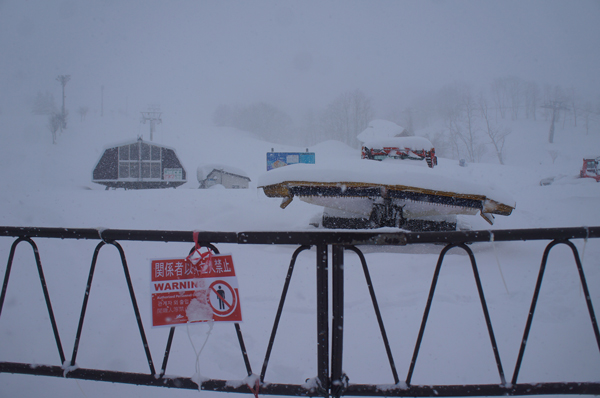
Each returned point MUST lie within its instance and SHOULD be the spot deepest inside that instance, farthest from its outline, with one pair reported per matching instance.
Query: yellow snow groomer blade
(472, 202)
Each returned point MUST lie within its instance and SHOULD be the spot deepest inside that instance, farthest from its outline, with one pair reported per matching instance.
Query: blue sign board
(280, 159)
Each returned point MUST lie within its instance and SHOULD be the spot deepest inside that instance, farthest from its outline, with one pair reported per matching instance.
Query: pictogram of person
(221, 297)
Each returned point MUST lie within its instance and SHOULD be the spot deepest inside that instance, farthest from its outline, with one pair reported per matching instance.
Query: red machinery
(590, 169)
(415, 148)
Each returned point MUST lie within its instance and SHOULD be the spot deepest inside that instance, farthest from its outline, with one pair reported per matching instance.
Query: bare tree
(83, 110)
(556, 103)
(532, 98)
(496, 133)
(499, 92)
(347, 116)
(54, 123)
(507, 93)
(515, 93)
(587, 114)
(573, 100)
(464, 133)
(556, 107)
(547, 97)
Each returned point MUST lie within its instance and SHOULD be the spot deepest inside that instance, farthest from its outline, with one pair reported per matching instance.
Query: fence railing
(330, 379)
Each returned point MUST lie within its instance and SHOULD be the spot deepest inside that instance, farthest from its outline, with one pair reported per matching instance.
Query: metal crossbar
(330, 379)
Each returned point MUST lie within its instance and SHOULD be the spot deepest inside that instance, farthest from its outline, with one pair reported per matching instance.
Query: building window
(155, 153)
(124, 152)
(134, 170)
(145, 151)
(145, 169)
(140, 161)
(155, 170)
(123, 169)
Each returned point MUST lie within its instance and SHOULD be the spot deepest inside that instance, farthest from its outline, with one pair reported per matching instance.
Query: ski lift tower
(152, 115)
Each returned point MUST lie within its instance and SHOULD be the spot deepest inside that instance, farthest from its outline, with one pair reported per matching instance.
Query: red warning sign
(183, 292)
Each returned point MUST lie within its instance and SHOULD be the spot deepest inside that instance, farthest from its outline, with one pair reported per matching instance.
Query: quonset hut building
(139, 165)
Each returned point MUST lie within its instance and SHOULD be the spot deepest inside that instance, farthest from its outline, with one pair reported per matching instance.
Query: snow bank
(380, 129)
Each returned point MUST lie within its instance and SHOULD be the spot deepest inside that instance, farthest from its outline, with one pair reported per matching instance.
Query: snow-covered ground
(50, 186)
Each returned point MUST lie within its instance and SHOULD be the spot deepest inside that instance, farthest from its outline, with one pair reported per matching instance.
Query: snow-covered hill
(50, 186)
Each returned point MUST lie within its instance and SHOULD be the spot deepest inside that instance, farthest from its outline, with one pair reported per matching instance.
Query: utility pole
(556, 106)
(63, 80)
(152, 115)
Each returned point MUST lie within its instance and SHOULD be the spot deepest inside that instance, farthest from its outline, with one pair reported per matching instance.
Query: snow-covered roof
(204, 170)
(414, 143)
(129, 142)
(380, 129)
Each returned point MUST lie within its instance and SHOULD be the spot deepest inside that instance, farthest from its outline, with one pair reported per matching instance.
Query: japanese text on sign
(183, 292)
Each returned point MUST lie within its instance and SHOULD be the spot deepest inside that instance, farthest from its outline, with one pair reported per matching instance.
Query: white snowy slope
(50, 186)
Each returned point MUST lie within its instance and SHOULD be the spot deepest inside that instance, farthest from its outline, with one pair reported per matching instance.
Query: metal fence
(330, 380)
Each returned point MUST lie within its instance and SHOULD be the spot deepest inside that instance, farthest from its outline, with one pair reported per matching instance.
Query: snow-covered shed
(215, 174)
(139, 165)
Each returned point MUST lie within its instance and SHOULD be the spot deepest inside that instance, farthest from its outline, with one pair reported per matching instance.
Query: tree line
(475, 123)
(45, 105)
(342, 119)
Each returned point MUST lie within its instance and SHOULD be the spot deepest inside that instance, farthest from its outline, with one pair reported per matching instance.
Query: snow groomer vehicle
(394, 192)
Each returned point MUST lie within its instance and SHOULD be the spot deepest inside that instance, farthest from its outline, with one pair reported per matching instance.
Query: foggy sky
(190, 56)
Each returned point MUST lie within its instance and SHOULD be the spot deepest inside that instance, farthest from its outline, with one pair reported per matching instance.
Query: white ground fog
(49, 185)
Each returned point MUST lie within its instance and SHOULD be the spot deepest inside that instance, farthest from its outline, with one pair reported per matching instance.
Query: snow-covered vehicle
(590, 168)
(413, 148)
(402, 194)
(362, 194)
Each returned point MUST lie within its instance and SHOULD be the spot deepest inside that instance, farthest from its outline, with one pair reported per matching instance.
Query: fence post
(322, 320)
(338, 379)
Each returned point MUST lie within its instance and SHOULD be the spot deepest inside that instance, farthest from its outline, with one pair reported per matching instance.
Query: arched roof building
(139, 165)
